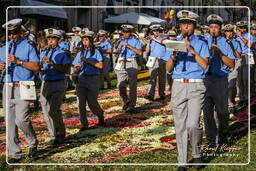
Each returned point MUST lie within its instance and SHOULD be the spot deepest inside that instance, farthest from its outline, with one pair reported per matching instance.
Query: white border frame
(134, 164)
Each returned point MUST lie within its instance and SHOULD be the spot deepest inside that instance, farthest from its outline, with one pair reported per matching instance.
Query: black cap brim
(215, 22)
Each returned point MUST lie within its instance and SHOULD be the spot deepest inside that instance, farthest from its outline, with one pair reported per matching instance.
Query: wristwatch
(20, 62)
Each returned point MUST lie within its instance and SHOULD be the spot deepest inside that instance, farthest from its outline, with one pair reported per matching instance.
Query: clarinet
(46, 54)
(184, 68)
(214, 41)
(4, 70)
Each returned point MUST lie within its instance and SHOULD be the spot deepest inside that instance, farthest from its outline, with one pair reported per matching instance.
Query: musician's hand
(124, 43)
(2, 66)
(47, 60)
(76, 67)
(12, 59)
(188, 46)
(118, 48)
(215, 47)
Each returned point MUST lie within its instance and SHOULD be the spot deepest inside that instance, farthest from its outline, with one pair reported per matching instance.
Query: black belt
(53, 80)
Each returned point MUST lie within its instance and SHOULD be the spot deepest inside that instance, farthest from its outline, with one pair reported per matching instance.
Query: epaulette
(64, 49)
(31, 43)
(2, 45)
(201, 37)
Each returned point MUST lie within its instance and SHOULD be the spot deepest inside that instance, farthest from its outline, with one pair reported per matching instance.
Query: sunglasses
(242, 27)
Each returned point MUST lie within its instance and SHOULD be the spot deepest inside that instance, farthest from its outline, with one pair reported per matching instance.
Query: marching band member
(253, 69)
(88, 63)
(105, 48)
(55, 63)
(188, 90)
(205, 30)
(220, 64)
(75, 44)
(171, 36)
(157, 66)
(116, 37)
(64, 44)
(22, 63)
(232, 77)
(128, 48)
(243, 36)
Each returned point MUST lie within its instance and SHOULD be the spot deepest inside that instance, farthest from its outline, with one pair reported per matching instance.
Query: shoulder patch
(203, 39)
(31, 43)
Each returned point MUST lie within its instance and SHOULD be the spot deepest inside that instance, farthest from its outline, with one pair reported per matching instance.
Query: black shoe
(125, 107)
(33, 153)
(181, 168)
(55, 142)
(83, 128)
(101, 121)
(149, 97)
(109, 86)
(162, 98)
(197, 160)
(14, 160)
(132, 110)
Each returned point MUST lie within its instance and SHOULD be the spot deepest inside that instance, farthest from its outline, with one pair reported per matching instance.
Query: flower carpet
(124, 134)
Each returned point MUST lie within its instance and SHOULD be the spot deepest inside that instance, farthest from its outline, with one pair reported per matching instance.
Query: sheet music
(178, 46)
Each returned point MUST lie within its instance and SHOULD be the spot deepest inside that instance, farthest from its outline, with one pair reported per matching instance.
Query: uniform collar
(131, 37)
(218, 38)
(180, 37)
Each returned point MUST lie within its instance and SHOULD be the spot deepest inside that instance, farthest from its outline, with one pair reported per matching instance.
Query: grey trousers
(129, 72)
(243, 75)
(87, 91)
(105, 71)
(52, 93)
(216, 100)
(187, 103)
(233, 84)
(157, 70)
(17, 117)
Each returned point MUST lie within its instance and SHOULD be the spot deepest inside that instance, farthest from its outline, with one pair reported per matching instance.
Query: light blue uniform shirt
(237, 45)
(105, 45)
(157, 49)
(57, 56)
(216, 66)
(187, 60)
(128, 53)
(88, 69)
(25, 52)
(64, 45)
(245, 48)
(167, 55)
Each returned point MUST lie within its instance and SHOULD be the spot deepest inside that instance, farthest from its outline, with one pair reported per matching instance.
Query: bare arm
(203, 62)
(226, 60)
(170, 63)
(33, 66)
(137, 51)
(94, 63)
